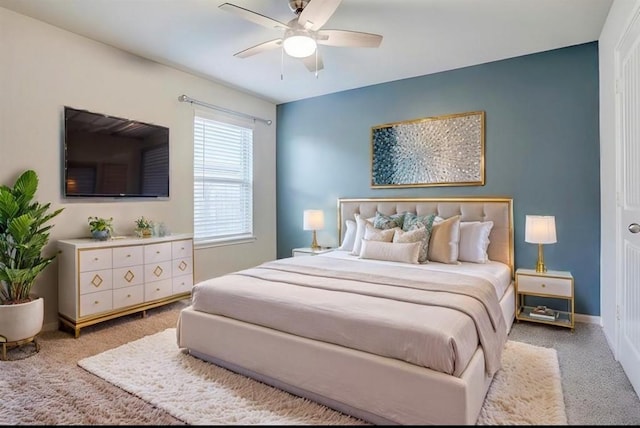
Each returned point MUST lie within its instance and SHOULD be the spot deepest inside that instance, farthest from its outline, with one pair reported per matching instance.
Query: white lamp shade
(313, 220)
(540, 229)
(299, 45)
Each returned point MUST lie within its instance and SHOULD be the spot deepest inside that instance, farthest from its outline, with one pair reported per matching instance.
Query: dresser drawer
(182, 266)
(182, 284)
(128, 276)
(128, 296)
(95, 259)
(157, 271)
(182, 249)
(544, 285)
(158, 290)
(128, 256)
(157, 252)
(97, 280)
(93, 303)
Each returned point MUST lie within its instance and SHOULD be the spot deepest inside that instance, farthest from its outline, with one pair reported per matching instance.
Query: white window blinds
(223, 179)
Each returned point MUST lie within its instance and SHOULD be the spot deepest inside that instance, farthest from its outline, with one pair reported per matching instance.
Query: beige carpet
(526, 391)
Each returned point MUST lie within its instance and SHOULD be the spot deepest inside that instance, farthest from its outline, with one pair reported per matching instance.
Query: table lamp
(313, 220)
(540, 230)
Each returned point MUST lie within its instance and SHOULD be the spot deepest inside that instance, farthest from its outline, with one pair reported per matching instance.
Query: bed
(383, 340)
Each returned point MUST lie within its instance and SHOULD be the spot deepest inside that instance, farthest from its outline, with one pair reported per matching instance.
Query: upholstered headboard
(497, 209)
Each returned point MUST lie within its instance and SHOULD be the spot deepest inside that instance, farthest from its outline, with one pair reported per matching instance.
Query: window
(223, 178)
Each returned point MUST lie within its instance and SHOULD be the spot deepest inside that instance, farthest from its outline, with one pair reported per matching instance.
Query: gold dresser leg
(4, 348)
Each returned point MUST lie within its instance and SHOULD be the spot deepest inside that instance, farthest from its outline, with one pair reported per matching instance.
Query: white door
(628, 121)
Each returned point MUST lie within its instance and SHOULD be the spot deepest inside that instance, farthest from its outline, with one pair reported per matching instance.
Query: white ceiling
(420, 37)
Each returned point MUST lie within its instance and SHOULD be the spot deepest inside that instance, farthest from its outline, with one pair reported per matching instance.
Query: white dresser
(101, 280)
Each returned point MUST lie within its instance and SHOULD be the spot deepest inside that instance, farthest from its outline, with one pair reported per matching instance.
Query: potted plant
(144, 227)
(24, 232)
(100, 228)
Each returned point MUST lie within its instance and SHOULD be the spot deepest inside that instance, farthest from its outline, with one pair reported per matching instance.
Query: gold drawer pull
(95, 259)
(157, 252)
(543, 285)
(128, 255)
(96, 302)
(128, 295)
(157, 289)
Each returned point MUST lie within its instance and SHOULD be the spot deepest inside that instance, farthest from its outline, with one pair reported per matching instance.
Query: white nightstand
(551, 284)
(307, 251)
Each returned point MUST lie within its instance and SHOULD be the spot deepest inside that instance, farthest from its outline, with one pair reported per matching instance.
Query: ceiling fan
(303, 33)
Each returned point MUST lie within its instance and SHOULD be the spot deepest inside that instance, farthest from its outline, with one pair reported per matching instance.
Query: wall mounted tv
(110, 157)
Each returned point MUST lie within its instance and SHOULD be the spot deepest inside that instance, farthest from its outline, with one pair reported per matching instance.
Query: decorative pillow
(372, 233)
(474, 241)
(411, 221)
(402, 252)
(360, 228)
(443, 244)
(418, 234)
(382, 221)
(349, 236)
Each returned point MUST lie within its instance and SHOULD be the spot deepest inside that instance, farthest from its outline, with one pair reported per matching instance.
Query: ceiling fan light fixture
(299, 44)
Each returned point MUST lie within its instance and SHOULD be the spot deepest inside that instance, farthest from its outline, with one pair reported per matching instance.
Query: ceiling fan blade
(345, 38)
(317, 13)
(310, 62)
(262, 47)
(254, 17)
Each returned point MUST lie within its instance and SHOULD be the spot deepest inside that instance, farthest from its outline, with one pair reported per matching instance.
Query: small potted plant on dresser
(144, 227)
(100, 228)
(24, 233)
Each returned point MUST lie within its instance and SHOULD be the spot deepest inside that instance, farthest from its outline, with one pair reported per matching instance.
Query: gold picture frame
(434, 151)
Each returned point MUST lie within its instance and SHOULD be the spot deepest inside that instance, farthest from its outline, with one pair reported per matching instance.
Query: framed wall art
(433, 151)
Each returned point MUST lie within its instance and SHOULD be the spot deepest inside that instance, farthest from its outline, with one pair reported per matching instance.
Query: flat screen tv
(111, 157)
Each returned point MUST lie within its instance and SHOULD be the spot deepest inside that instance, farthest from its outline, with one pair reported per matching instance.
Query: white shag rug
(526, 391)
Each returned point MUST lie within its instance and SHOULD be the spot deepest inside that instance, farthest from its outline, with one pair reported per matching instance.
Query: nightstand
(552, 284)
(307, 251)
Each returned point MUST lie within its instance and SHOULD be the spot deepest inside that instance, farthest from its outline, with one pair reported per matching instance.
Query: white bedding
(410, 323)
(497, 273)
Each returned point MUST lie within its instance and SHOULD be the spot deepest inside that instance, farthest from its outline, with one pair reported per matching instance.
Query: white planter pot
(21, 321)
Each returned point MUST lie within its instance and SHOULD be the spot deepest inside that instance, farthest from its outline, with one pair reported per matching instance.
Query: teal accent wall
(541, 149)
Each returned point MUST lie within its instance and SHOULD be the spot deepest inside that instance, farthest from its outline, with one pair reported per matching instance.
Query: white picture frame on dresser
(102, 280)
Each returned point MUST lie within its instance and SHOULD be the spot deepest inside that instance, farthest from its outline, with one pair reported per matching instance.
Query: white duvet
(429, 317)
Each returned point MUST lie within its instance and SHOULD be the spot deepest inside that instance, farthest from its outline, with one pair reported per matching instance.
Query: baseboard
(51, 326)
(588, 319)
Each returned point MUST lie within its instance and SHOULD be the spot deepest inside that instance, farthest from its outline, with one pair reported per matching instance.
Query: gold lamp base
(314, 243)
(540, 267)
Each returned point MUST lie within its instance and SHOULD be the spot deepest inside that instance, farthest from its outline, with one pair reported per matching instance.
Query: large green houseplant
(24, 232)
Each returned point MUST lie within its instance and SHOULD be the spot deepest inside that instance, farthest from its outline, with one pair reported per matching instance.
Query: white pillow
(372, 233)
(474, 241)
(418, 234)
(349, 236)
(361, 224)
(389, 251)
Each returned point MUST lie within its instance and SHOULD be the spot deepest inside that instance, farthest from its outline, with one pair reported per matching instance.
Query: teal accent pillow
(381, 221)
(412, 221)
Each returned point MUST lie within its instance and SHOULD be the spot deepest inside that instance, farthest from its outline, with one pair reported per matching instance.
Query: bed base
(376, 389)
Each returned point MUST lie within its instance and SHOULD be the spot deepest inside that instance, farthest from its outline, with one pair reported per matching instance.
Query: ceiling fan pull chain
(282, 63)
(316, 62)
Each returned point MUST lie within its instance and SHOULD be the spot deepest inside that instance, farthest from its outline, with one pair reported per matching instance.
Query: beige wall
(618, 19)
(43, 68)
